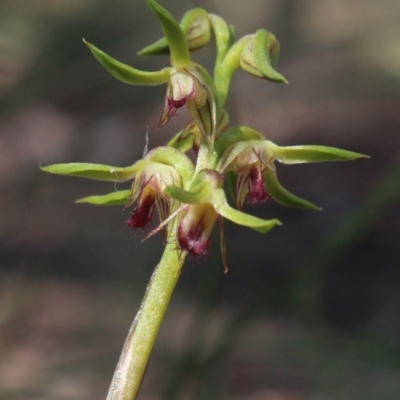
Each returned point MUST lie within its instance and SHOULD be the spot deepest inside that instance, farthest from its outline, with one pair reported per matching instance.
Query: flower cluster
(189, 198)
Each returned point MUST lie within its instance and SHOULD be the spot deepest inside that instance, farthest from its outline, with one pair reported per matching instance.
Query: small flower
(147, 191)
(186, 86)
(161, 168)
(195, 228)
(244, 153)
(249, 159)
(205, 203)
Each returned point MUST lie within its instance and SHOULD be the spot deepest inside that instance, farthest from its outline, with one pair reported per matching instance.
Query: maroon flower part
(195, 228)
(143, 211)
(183, 87)
(249, 165)
(147, 191)
(256, 188)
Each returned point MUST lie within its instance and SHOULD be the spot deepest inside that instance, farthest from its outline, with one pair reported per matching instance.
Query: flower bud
(188, 87)
(260, 56)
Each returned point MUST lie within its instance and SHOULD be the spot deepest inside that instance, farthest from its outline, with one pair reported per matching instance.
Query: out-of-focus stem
(133, 361)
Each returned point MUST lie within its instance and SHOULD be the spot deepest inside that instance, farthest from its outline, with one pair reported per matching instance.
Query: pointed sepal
(173, 33)
(196, 27)
(95, 171)
(238, 217)
(224, 35)
(117, 198)
(283, 196)
(311, 153)
(127, 74)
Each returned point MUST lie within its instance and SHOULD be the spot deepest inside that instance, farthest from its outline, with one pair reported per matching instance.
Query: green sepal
(222, 207)
(120, 197)
(260, 56)
(240, 148)
(173, 33)
(185, 196)
(95, 171)
(196, 28)
(181, 142)
(201, 190)
(173, 158)
(283, 196)
(311, 153)
(224, 35)
(127, 74)
(234, 135)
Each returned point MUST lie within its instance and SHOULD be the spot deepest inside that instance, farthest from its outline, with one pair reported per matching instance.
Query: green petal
(194, 25)
(127, 74)
(94, 171)
(311, 153)
(222, 207)
(173, 33)
(111, 199)
(283, 196)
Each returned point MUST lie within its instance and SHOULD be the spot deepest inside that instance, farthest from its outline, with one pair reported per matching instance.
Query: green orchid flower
(187, 83)
(205, 202)
(249, 161)
(161, 168)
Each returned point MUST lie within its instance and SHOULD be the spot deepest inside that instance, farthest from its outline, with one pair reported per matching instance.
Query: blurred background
(309, 311)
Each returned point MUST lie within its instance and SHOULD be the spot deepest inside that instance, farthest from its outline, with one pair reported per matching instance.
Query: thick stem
(132, 364)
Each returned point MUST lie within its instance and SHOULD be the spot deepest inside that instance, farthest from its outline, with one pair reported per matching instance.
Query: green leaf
(311, 153)
(111, 199)
(196, 28)
(283, 196)
(127, 74)
(95, 171)
(173, 33)
(238, 217)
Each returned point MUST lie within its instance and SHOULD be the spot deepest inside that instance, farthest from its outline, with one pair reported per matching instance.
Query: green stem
(133, 361)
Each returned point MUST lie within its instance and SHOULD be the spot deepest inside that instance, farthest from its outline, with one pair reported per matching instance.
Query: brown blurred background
(309, 311)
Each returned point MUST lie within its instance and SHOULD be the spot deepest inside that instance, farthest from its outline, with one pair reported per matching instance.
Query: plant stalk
(135, 354)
